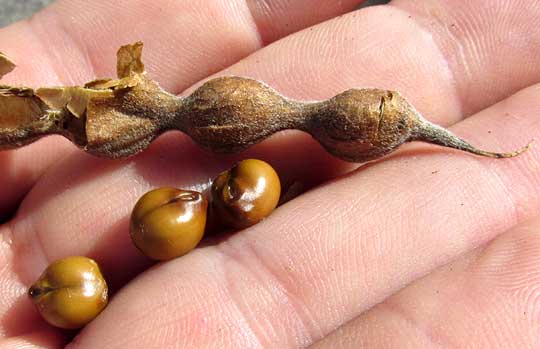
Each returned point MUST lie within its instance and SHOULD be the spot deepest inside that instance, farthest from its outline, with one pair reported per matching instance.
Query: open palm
(428, 247)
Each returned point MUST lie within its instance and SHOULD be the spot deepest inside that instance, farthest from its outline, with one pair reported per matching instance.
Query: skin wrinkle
(512, 205)
(204, 307)
(264, 8)
(26, 274)
(464, 49)
(533, 303)
(6, 234)
(269, 9)
(472, 47)
(228, 251)
(128, 341)
(260, 337)
(45, 53)
(6, 256)
(140, 334)
(510, 200)
(497, 331)
(34, 340)
(458, 100)
(16, 282)
(23, 194)
(508, 253)
(247, 328)
(246, 36)
(349, 23)
(164, 323)
(459, 53)
(437, 338)
(516, 280)
(255, 24)
(473, 234)
(494, 168)
(81, 48)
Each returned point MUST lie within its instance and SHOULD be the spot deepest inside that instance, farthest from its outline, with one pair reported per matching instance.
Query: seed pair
(167, 222)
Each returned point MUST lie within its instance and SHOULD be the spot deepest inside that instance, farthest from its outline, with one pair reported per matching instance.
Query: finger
(22, 167)
(279, 18)
(488, 298)
(336, 251)
(185, 40)
(72, 42)
(489, 46)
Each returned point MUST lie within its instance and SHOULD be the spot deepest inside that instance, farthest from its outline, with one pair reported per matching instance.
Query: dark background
(13, 10)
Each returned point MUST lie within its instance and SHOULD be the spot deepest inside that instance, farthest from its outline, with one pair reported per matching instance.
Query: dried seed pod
(119, 118)
(167, 223)
(5, 65)
(70, 293)
(245, 194)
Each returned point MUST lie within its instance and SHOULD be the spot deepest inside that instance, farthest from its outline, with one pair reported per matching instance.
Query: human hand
(428, 247)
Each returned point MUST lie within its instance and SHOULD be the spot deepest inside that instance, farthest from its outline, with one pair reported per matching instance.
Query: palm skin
(435, 247)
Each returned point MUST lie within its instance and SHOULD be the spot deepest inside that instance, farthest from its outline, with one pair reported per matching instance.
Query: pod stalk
(434, 134)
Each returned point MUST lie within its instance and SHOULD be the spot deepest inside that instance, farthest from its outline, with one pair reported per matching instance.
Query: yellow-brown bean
(70, 293)
(245, 194)
(167, 222)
